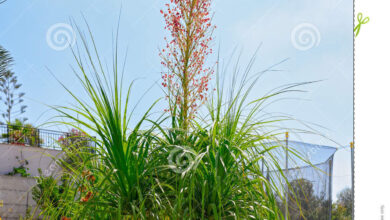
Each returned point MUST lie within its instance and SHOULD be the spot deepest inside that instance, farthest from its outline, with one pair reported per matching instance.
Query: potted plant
(22, 134)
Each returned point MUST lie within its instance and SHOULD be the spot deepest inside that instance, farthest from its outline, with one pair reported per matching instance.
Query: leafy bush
(342, 209)
(76, 146)
(49, 192)
(21, 170)
(304, 203)
(22, 134)
(46, 192)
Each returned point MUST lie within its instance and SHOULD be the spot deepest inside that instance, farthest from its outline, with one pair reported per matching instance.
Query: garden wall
(15, 155)
(15, 191)
(15, 196)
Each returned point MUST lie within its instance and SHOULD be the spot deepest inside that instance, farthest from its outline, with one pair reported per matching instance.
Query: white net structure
(307, 195)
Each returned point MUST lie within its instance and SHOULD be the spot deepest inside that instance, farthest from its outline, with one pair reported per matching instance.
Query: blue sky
(244, 24)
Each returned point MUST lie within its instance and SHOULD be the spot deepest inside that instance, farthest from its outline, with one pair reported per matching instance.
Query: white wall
(15, 191)
(36, 157)
(15, 196)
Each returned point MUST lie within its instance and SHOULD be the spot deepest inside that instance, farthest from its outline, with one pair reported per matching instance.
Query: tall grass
(153, 170)
(229, 142)
(123, 165)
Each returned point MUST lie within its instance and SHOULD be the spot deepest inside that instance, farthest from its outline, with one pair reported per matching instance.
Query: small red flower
(82, 189)
(86, 173)
(87, 197)
(91, 178)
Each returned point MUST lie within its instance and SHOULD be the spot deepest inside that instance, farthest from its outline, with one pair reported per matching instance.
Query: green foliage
(22, 134)
(221, 178)
(48, 193)
(304, 204)
(12, 99)
(157, 170)
(5, 60)
(118, 179)
(27, 216)
(345, 199)
(21, 170)
(342, 209)
(77, 146)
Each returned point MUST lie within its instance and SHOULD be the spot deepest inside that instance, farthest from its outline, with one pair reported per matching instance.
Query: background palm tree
(5, 58)
(10, 96)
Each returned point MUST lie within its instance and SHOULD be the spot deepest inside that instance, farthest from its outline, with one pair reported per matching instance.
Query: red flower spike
(189, 24)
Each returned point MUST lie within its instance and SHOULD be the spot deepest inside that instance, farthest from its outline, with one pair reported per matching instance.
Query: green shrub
(22, 134)
(21, 170)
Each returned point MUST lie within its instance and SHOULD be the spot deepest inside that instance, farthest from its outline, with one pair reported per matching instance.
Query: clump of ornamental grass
(216, 156)
(215, 168)
(184, 165)
(117, 179)
(155, 172)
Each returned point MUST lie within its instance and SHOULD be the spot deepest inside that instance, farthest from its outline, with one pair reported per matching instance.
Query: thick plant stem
(185, 82)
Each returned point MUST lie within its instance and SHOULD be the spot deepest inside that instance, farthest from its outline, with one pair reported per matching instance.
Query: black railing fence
(35, 137)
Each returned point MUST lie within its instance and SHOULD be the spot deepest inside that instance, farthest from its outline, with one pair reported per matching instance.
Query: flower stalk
(186, 77)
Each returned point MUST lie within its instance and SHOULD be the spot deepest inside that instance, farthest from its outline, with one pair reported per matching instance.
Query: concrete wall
(15, 195)
(36, 157)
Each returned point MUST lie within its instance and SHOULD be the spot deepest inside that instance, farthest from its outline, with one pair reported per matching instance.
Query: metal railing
(30, 136)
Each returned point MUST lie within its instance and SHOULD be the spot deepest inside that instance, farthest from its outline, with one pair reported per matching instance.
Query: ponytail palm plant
(214, 169)
(194, 162)
(118, 179)
(137, 172)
